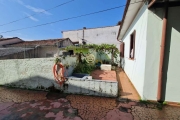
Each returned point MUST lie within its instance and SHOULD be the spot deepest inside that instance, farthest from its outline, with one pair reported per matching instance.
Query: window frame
(132, 39)
(122, 47)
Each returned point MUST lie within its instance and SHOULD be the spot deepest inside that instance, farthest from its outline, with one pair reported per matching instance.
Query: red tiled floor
(104, 75)
(126, 88)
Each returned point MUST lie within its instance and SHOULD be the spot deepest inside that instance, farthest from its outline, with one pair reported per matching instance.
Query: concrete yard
(19, 104)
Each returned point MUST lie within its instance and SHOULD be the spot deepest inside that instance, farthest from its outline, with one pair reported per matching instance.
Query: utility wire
(36, 13)
(68, 18)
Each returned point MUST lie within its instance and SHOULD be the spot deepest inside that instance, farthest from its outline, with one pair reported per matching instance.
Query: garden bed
(101, 83)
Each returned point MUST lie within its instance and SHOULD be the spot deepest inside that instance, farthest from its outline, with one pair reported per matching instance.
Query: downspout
(163, 39)
(83, 34)
(83, 40)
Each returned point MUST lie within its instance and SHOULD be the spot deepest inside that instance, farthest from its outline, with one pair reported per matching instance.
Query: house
(6, 41)
(76, 43)
(150, 48)
(44, 48)
(14, 52)
(99, 35)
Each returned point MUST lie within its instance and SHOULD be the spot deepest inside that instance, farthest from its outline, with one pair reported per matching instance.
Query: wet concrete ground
(18, 104)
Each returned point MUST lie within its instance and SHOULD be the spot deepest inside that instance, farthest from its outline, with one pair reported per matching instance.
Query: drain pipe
(163, 39)
(83, 40)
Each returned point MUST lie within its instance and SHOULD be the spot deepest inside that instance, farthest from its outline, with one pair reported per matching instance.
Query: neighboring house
(6, 41)
(45, 48)
(99, 35)
(150, 47)
(76, 43)
(17, 53)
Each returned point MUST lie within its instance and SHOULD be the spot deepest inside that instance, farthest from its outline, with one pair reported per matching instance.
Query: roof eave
(126, 13)
(126, 8)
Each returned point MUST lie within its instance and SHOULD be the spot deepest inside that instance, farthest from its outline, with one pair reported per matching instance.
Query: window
(132, 45)
(122, 49)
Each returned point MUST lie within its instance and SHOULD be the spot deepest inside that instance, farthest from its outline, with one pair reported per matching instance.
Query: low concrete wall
(37, 74)
(32, 73)
(89, 86)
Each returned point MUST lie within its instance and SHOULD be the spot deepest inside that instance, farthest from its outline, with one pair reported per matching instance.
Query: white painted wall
(143, 71)
(154, 33)
(32, 73)
(171, 74)
(106, 35)
(171, 64)
(135, 69)
(37, 74)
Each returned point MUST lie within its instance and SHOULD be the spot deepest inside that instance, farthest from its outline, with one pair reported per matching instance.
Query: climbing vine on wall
(84, 49)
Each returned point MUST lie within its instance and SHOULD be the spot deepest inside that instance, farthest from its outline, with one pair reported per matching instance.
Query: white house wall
(135, 69)
(170, 87)
(171, 74)
(106, 35)
(154, 33)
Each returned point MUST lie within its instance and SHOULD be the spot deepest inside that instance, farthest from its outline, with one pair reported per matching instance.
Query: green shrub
(164, 103)
(84, 67)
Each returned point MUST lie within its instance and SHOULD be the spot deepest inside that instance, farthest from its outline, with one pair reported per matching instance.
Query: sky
(11, 10)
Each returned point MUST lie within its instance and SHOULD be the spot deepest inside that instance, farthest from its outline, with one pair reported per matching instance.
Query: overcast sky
(11, 10)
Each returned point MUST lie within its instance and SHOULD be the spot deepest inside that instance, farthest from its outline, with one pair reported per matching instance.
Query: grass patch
(164, 103)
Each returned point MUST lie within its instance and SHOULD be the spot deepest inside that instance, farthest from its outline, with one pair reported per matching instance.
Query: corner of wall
(152, 54)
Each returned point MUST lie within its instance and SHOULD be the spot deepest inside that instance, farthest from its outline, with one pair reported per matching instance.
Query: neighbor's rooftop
(48, 42)
(4, 39)
(9, 51)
